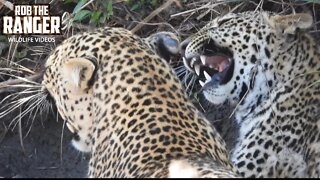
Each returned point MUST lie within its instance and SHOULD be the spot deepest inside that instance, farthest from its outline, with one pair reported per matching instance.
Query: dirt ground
(41, 157)
(44, 156)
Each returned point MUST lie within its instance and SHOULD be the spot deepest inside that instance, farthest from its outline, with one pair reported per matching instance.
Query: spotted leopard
(269, 68)
(127, 108)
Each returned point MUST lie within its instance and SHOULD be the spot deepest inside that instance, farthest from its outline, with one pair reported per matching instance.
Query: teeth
(193, 61)
(184, 59)
(197, 68)
(208, 77)
(203, 59)
(201, 83)
(186, 64)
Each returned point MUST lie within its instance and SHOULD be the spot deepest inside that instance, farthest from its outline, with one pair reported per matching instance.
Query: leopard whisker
(192, 82)
(175, 62)
(16, 94)
(181, 72)
(15, 104)
(189, 85)
(25, 86)
(29, 109)
(39, 108)
(178, 68)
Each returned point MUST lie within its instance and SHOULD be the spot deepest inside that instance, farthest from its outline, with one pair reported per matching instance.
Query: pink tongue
(217, 62)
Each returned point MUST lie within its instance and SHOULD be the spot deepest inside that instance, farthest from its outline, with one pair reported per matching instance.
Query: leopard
(127, 108)
(266, 66)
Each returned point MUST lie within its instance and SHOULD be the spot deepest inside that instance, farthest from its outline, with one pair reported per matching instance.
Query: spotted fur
(274, 82)
(128, 109)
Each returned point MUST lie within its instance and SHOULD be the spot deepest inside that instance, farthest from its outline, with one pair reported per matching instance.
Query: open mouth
(213, 63)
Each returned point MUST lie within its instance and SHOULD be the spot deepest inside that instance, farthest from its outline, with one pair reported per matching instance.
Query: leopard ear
(79, 73)
(288, 24)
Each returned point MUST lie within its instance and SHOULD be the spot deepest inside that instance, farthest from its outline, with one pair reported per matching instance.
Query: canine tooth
(208, 77)
(197, 68)
(203, 59)
(201, 83)
(193, 61)
(187, 65)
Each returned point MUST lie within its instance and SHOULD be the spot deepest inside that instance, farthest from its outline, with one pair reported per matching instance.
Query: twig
(162, 23)
(209, 5)
(154, 13)
(10, 53)
(236, 7)
(8, 4)
(46, 168)
(6, 86)
(191, 10)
